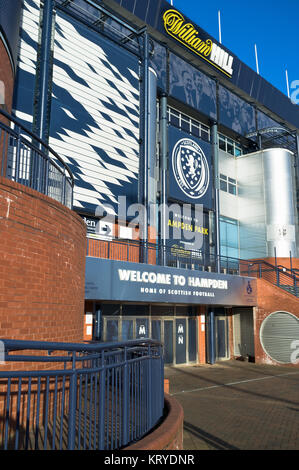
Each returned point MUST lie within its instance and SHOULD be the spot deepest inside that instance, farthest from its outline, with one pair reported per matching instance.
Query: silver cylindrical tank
(280, 202)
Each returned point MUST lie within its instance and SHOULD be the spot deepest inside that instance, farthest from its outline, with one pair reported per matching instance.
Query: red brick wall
(42, 267)
(271, 299)
(201, 310)
(6, 75)
(286, 262)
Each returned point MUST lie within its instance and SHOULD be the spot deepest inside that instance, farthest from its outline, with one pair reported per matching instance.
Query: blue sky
(270, 24)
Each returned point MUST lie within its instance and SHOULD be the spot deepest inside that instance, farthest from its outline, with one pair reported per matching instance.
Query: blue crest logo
(190, 168)
(249, 288)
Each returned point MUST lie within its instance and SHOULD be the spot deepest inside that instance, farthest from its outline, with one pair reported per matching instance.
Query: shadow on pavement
(213, 442)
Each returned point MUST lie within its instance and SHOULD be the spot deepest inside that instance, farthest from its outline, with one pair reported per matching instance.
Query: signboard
(187, 233)
(190, 172)
(125, 281)
(196, 40)
(97, 228)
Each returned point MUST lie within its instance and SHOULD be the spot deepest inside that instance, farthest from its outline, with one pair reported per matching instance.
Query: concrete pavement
(237, 405)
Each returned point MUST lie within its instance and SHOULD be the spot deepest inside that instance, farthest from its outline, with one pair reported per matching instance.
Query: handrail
(15, 345)
(28, 160)
(96, 396)
(35, 137)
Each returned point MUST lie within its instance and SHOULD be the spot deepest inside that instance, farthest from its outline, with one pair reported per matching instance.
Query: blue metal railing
(99, 396)
(28, 160)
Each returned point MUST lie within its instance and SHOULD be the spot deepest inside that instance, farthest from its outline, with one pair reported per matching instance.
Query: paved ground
(238, 405)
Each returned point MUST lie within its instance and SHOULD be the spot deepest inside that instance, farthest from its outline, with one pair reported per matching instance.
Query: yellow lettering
(185, 33)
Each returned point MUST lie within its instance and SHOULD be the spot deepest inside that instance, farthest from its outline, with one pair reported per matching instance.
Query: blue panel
(235, 113)
(158, 63)
(221, 335)
(192, 343)
(142, 330)
(10, 12)
(128, 4)
(141, 8)
(190, 175)
(168, 341)
(191, 86)
(181, 340)
(101, 87)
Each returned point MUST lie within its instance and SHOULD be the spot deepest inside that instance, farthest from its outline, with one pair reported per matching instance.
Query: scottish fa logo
(190, 168)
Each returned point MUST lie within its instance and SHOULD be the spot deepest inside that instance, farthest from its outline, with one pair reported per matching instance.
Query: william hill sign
(177, 27)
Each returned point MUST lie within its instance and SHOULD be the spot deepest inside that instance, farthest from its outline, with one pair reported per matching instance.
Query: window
(229, 237)
(188, 124)
(228, 185)
(229, 146)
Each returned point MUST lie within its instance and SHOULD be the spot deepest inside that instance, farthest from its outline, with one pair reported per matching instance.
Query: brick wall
(42, 267)
(6, 76)
(6, 88)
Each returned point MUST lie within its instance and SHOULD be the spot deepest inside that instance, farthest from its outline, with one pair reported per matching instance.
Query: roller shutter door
(277, 334)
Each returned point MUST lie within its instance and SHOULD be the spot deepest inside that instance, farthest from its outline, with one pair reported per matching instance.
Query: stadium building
(185, 164)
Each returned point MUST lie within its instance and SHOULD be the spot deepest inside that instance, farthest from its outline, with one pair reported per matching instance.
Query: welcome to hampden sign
(125, 281)
(187, 34)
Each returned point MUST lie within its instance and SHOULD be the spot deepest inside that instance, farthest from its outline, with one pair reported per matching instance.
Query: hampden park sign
(184, 32)
(135, 282)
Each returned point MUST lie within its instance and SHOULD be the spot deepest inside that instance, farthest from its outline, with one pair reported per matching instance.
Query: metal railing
(28, 160)
(98, 396)
(138, 251)
(277, 275)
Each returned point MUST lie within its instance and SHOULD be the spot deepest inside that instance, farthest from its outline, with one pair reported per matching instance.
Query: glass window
(230, 147)
(156, 330)
(127, 330)
(111, 309)
(222, 144)
(238, 151)
(232, 189)
(229, 237)
(195, 129)
(223, 186)
(187, 124)
(162, 310)
(135, 310)
(112, 330)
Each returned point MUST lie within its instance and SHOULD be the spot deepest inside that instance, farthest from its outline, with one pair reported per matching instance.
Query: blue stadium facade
(141, 103)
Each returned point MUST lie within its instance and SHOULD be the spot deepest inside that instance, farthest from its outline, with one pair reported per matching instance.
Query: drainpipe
(144, 112)
(211, 338)
(44, 75)
(215, 156)
(163, 173)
